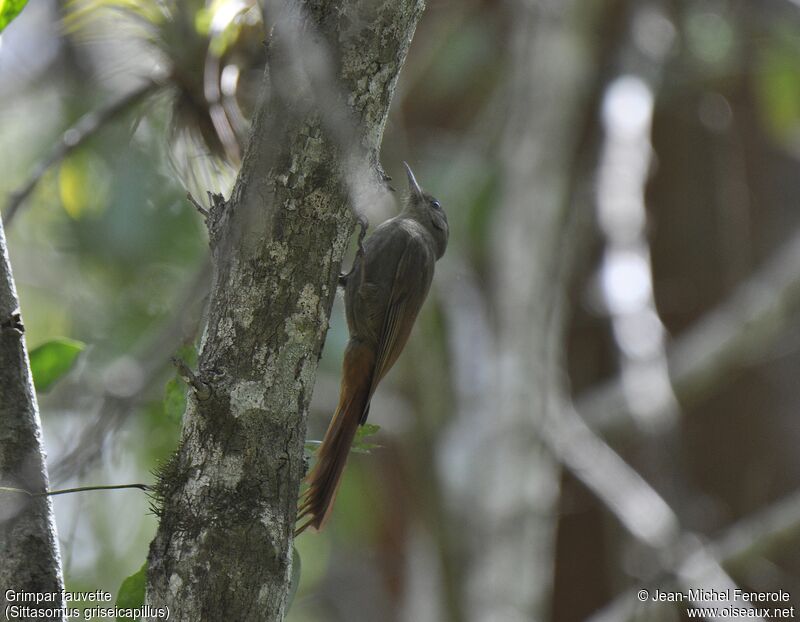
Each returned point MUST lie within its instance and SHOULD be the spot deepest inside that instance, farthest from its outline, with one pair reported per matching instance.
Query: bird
(383, 293)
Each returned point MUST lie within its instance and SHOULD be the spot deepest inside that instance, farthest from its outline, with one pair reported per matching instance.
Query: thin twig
(65, 491)
(73, 138)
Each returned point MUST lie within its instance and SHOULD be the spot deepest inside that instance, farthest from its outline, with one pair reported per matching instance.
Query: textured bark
(29, 556)
(228, 498)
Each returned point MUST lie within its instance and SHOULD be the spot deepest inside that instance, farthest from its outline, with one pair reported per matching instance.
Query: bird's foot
(363, 224)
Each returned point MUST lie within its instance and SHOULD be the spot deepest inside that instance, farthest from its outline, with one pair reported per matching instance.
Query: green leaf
(361, 445)
(295, 582)
(131, 592)
(368, 429)
(9, 9)
(360, 442)
(52, 360)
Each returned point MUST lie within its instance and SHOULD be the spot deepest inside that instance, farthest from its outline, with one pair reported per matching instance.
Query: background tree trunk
(228, 498)
(29, 555)
(516, 485)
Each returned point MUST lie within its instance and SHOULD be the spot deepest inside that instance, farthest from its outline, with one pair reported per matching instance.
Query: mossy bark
(228, 498)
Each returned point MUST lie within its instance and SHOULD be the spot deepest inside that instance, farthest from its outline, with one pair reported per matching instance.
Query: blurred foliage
(52, 360)
(209, 56)
(175, 389)
(83, 184)
(778, 84)
(711, 38)
(9, 9)
(175, 399)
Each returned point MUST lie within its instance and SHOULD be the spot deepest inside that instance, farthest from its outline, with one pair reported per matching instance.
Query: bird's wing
(392, 339)
(409, 287)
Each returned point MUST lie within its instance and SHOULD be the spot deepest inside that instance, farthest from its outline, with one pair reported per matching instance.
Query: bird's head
(428, 211)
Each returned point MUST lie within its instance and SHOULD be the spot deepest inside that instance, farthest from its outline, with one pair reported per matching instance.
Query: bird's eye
(436, 205)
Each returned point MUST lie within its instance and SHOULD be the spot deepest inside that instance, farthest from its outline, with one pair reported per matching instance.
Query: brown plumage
(383, 295)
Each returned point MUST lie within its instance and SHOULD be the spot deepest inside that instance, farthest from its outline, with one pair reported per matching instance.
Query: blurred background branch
(743, 543)
(756, 315)
(73, 138)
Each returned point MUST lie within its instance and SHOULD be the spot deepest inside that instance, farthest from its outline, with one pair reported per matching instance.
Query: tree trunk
(227, 500)
(29, 558)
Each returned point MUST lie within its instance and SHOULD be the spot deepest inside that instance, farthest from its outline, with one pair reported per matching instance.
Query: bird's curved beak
(412, 181)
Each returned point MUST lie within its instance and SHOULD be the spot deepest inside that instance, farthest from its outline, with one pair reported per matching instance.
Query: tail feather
(317, 501)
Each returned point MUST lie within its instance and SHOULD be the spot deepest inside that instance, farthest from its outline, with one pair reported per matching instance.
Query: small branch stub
(205, 213)
(201, 389)
(212, 215)
(14, 322)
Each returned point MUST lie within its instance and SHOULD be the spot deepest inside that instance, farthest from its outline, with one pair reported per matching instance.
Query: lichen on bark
(227, 499)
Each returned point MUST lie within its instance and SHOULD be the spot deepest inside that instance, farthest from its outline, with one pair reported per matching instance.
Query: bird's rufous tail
(323, 481)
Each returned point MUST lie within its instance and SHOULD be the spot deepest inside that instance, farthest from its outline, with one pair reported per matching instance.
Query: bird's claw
(383, 176)
(363, 224)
